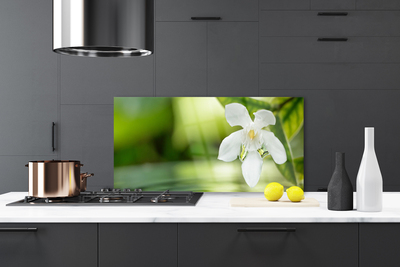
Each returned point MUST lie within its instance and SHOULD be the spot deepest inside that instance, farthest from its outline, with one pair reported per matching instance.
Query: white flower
(252, 143)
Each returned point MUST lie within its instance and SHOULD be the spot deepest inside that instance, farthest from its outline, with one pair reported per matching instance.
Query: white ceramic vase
(369, 177)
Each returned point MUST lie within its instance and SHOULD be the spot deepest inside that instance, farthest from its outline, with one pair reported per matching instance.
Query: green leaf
(280, 100)
(287, 169)
(292, 115)
(299, 167)
(299, 164)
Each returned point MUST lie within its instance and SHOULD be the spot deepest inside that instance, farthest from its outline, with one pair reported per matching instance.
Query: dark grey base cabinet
(199, 244)
(138, 245)
(268, 245)
(48, 245)
(379, 244)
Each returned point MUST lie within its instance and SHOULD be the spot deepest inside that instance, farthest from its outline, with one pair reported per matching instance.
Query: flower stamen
(252, 134)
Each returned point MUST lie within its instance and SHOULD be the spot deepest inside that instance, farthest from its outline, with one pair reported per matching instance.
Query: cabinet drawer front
(48, 245)
(309, 49)
(378, 4)
(284, 4)
(329, 76)
(307, 4)
(137, 244)
(266, 244)
(227, 10)
(333, 4)
(309, 23)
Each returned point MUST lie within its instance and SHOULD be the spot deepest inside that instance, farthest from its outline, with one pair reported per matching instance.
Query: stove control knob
(127, 190)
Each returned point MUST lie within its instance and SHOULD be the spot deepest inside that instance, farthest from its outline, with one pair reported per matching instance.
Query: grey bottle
(340, 189)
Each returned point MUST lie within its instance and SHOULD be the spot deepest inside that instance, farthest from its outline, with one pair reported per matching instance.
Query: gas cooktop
(108, 196)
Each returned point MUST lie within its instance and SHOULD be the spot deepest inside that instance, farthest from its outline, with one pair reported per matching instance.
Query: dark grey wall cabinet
(48, 245)
(267, 244)
(378, 4)
(333, 4)
(138, 245)
(199, 55)
(28, 88)
(228, 10)
(341, 56)
(284, 4)
(310, 23)
(339, 76)
(307, 4)
(310, 50)
(181, 60)
(232, 58)
(255, 48)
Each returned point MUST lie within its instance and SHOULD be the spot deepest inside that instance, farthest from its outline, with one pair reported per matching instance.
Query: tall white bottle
(369, 177)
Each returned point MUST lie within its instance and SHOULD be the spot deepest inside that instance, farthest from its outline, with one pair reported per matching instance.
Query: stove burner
(110, 199)
(163, 197)
(115, 196)
(54, 200)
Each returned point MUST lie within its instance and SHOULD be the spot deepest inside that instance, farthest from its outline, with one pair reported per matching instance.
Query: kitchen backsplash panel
(186, 143)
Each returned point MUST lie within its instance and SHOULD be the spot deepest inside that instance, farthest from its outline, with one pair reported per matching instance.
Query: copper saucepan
(56, 178)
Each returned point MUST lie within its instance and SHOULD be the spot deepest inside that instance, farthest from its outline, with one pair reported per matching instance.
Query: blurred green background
(172, 143)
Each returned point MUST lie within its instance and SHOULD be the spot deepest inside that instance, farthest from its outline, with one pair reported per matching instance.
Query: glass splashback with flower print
(208, 144)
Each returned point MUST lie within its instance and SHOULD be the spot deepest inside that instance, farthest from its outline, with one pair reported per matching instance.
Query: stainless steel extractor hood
(103, 28)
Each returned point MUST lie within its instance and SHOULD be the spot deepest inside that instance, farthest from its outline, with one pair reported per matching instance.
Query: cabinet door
(87, 135)
(379, 244)
(333, 4)
(339, 76)
(48, 245)
(284, 4)
(267, 245)
(181, 59)
(138, 245)
(28, 75)
(309, 23)
(378, 4)
(232, 58)
(97, 81)
(228, 10)
(309, 49)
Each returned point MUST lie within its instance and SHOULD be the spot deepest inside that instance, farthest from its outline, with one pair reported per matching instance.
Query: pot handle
(86, 175)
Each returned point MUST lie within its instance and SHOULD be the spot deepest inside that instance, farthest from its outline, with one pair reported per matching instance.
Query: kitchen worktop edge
(211, 208)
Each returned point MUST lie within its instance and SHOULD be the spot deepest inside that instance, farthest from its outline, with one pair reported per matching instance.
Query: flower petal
(230, 146)
(251, 168)
(237, 114)
(263, 118)
(274, 147)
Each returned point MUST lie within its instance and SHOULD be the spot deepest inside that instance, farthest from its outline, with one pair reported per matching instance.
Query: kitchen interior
(68, 147)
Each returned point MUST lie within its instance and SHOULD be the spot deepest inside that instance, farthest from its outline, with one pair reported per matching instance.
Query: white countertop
(211, 208)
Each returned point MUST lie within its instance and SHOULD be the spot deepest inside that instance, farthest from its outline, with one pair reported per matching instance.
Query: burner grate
(109, 196)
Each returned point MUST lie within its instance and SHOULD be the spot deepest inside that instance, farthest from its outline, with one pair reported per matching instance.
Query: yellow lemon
(295, 193)
(273, 191)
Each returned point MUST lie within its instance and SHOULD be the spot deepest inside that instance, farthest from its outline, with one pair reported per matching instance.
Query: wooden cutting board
(263, 202)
